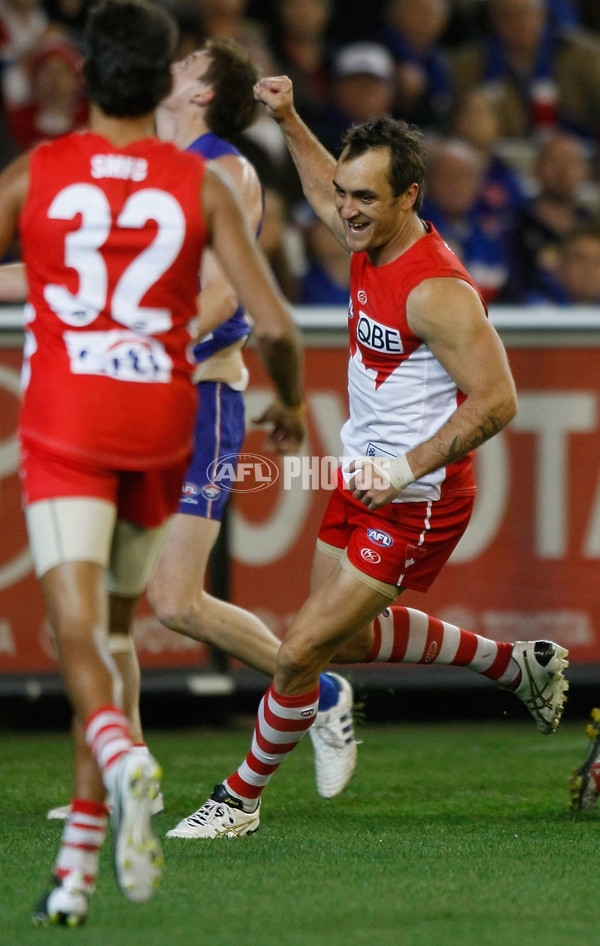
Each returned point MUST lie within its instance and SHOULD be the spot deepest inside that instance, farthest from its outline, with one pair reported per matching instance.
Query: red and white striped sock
(141, 748)
(108, 736)
(403, 635)
(82, 838)
(281, 723)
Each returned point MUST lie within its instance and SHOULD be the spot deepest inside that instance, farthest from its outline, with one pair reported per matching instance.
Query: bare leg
(86, 777)
(357, 647)
(339, 608)
(177, 595)
(333, 741)
(76, 601)
(78, 609)
(122, 649)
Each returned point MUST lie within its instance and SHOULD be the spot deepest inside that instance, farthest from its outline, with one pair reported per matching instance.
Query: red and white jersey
(399, 395)
(112, 240)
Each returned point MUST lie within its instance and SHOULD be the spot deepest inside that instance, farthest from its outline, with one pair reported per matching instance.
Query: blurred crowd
(506, 92)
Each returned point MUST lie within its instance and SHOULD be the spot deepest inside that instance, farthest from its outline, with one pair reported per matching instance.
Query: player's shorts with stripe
(218, 438)
(400, 544)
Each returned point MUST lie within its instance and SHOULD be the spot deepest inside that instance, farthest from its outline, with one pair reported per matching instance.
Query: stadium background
(527, 567)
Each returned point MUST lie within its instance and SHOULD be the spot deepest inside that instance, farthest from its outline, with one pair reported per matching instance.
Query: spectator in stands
(474, 118)
(230, 18)
(362, 87)
(303, 52)
(453, 183)
(561, 169)
(565, 12)
(8, 151)
(265, 148)
(589, 14)
(467, 23)
(57, 104)
(326, 280)
(192, 32)
(412, 32)
(576, 278)
(23, 25)
(280, 241)
(71, 15)
(8, 146)
(543, 75)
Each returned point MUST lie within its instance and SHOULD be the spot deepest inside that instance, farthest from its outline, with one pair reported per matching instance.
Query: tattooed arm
(449, 316)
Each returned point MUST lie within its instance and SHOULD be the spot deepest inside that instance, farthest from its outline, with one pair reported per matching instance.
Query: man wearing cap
(362, 87)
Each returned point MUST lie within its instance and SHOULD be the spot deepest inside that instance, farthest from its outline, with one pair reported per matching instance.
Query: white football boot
(332, 735)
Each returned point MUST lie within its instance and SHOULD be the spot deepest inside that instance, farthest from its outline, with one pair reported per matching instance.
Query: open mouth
(357, 226)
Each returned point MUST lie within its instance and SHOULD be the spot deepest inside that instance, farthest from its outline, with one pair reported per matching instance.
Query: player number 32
(82, 253)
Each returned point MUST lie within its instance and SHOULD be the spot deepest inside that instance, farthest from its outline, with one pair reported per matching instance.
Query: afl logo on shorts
(380, 538)
(370, 555)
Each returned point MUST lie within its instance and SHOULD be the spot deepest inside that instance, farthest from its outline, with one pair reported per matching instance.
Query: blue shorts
(219, 432)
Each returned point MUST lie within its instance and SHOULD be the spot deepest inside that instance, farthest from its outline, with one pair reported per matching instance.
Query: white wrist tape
(398, 471)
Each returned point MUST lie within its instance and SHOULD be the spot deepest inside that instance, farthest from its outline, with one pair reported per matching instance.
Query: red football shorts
(145, 498)
(402, 544)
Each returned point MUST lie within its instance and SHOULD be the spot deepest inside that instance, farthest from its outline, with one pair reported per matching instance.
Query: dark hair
(407, 151)
(129, 46)
(232, 75)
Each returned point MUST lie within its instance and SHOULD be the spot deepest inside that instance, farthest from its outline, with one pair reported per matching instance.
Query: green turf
(449, 835)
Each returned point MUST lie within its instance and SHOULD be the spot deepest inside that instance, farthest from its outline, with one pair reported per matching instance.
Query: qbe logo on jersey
(379, 537)
(244, 472)
(378, 337)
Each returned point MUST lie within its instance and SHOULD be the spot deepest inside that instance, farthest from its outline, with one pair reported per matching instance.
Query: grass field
(449, 835)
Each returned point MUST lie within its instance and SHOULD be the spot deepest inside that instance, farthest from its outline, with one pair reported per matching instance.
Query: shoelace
(537, 701)
(208, 812)
(340, 736)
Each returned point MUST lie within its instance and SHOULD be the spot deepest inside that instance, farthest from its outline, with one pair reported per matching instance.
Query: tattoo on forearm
(458, 447)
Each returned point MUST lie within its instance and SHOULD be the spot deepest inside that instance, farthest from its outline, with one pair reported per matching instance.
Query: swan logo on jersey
(244, 472)
(379, 537)
(361, 296)
(370, 555)
(378, 337)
